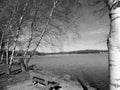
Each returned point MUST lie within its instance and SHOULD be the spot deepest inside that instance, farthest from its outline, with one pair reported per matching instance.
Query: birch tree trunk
(1, 51)
(17, 35)
(43, 32)
(114, 44)
(33, 26)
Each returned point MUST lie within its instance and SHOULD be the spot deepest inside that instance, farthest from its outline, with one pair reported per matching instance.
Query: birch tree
(49, 12)
(12, 16)
(113, 41)
(49, 9)
(42, 33)
(114, 44)
(20, 20)
(6, 17)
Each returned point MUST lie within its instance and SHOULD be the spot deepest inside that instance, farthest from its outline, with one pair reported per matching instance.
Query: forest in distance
(20, 53)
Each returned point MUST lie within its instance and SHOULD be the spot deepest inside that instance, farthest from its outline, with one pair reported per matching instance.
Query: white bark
(1, 41)
(33, 27)
(18, 32)
(7, 52)
(114, 46)
(43, 31)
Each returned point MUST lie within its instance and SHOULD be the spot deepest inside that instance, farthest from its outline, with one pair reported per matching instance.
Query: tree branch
(44, 30)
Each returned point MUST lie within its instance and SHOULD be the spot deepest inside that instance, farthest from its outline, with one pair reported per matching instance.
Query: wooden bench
(46, 81)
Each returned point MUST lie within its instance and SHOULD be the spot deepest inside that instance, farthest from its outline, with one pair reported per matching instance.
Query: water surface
(92, 67)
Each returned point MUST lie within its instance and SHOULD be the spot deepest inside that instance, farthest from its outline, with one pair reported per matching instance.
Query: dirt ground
(22, 82)
(27, 85)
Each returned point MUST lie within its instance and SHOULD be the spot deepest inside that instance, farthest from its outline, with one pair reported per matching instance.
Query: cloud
(96, 32)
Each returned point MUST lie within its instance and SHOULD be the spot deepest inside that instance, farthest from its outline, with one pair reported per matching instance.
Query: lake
(91, 67)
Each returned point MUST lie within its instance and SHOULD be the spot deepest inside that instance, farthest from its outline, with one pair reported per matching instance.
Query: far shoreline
(74, 52)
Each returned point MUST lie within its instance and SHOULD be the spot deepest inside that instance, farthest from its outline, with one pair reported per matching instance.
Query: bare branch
(44, 30)
(102, 7)
(18, 32)
(33, 25)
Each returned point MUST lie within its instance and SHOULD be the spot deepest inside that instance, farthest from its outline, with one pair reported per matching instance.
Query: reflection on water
(92, 67)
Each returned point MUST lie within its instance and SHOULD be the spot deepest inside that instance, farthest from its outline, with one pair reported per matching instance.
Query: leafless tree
(43, 28)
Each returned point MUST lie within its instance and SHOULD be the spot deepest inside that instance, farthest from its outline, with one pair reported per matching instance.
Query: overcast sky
(92, 29)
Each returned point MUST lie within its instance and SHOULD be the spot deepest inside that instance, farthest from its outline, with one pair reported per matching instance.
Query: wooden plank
(47, 81)
(38, 80)
(40, 75)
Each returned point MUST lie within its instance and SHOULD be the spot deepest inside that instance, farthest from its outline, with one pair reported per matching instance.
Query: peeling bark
(114, 44)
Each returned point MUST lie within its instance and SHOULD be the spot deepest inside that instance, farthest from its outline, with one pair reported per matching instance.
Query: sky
(93, 30)
(88, 32)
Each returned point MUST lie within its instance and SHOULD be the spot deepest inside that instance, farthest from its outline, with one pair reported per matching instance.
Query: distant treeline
(20, 53)
(81, 52)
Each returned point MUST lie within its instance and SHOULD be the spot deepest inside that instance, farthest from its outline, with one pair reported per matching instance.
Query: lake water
(92, 67)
